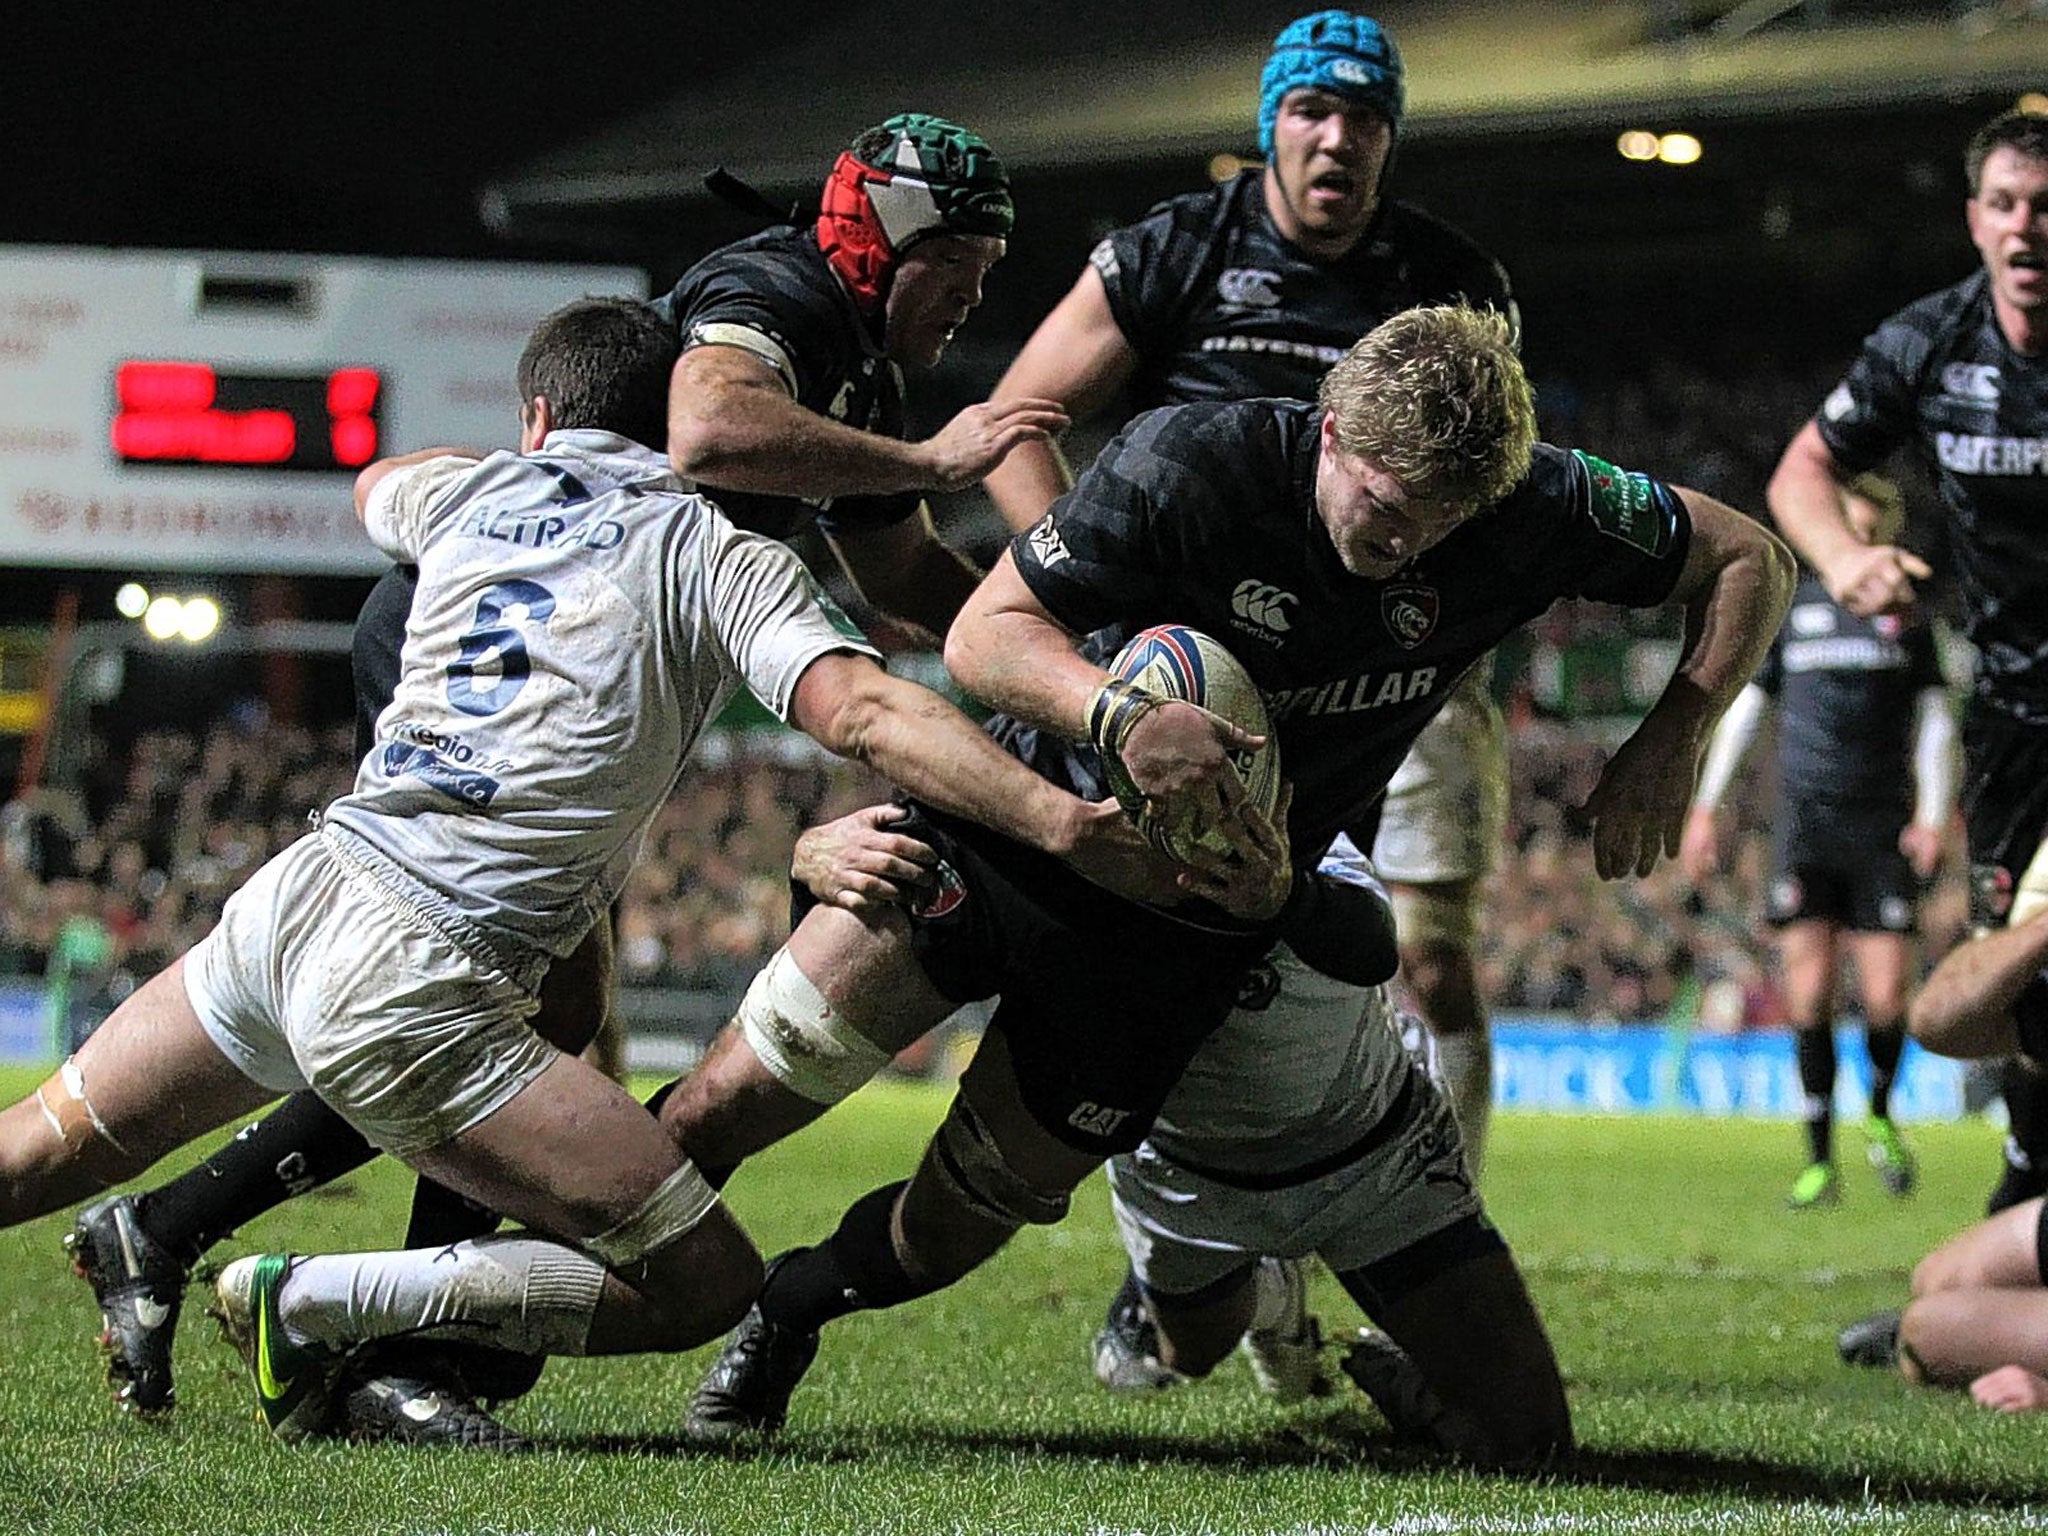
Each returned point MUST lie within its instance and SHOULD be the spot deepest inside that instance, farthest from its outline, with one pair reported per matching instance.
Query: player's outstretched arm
(1077, 356)
(1736, 586)
(921, 743)
(1805, 496)
(732, 424)
(1965, 1008)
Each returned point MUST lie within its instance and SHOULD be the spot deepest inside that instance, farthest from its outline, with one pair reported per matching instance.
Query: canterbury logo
(1263, 605)
(151, 1314)
(1250, 287)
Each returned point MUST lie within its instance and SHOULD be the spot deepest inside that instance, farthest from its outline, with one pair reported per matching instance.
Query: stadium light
(2032, 101)
(1637, 144)
(1222, 167)
(198, 620)
(1678, 149)
(160, 620)
(164, 617)
(132, 601)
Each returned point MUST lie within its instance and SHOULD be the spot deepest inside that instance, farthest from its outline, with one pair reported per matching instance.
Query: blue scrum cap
(1335, 51)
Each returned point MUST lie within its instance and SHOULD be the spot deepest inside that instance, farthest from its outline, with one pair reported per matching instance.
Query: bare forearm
(1029, 481)
(1805, 498)
(928, 748)
(747, 438)
(1736, 607)
(1965, 1007)
(1025, 666)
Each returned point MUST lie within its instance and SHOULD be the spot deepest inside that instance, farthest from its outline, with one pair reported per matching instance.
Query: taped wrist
(1113, 709)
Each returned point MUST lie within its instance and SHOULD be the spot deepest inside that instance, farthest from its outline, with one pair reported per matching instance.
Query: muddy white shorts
(1447, 804)
(1404, 1181)
(318, 979)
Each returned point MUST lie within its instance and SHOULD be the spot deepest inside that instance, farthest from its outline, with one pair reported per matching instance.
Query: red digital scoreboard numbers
(170, 412)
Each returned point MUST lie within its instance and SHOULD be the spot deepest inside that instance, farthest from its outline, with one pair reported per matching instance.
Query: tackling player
(788, 389)
(580, 617)
(1415, 522)
(1962, 376)
(1254, 288)
(1866, 788)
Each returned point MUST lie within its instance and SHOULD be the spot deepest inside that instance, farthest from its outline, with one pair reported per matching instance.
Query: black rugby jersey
(773, 296)
(1219, 305)
(1847, 690)
(1940, 375)
(1204, 515)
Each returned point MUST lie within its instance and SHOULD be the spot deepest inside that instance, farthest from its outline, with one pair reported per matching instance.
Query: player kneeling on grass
(1301, 1128)
(580, 617)
(1978, 1317)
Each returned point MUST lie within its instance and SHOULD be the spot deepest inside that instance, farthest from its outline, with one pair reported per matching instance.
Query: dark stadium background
(1681, 319)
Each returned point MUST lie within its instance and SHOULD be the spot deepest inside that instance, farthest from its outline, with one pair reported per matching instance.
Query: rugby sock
(440, 1216)
(853, 1270)
(1816, 1047)
(1466, 1061)
(2026, 1108)
(297, 1146)
(518, 1293)
(1887, 1043)
(1276, 1300)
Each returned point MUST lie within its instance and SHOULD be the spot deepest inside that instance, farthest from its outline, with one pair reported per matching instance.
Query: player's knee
(1913, 1339)
(971, 1165)
(801, 1039)
(682, 1250)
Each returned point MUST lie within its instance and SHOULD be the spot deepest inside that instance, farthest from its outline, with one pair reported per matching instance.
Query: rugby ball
(1180, 663)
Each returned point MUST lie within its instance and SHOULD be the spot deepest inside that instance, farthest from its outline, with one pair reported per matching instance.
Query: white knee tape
(801, 1040)
(1446, 915)
(682, 1200)
(2031, 894)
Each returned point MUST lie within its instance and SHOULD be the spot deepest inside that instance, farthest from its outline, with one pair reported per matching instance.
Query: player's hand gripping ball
(1175, 662)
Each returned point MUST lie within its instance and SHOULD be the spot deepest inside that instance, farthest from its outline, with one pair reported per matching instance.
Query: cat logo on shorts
(950, 894)
(1097, 1119)
(1410, 612)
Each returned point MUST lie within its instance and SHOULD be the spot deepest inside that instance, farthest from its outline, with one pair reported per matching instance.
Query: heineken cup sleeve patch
(1626, 506)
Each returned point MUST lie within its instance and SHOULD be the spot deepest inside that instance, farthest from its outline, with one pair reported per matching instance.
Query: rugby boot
(139, 1285)
(1896, 1167)
(1816, 1189)
(412, 1410)
(747, 1390)
(1127, 1346)
(1287, 1359)
(1871, 1341)
(294, 1382)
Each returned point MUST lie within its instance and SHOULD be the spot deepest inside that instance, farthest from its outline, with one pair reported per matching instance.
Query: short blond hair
(1437, 398)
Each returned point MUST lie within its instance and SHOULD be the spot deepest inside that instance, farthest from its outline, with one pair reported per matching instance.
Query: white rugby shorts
(316, 979)
(1447, 805)
(1184, 1231)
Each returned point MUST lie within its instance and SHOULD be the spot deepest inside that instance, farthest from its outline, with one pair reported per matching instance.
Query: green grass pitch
(1693, 1315)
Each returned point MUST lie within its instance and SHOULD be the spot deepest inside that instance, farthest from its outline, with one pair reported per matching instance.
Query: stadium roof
(1057, 84)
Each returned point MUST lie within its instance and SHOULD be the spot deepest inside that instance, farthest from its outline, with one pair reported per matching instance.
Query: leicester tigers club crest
(1410, 612)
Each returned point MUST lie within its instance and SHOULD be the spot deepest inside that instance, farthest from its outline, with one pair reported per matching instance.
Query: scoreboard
(207, 411)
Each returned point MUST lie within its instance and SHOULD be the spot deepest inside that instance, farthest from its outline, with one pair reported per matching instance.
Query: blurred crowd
(107, 882)
(101, 888)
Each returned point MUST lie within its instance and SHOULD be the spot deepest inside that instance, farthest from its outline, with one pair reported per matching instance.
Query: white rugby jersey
(580, 619)
(1301, 1069)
